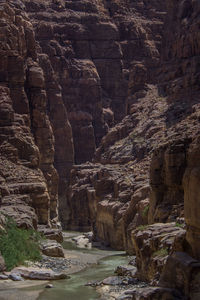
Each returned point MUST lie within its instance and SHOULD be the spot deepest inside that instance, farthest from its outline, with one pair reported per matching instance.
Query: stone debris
(128, 270)
(15, 276)
(57, 264)
(49, 286)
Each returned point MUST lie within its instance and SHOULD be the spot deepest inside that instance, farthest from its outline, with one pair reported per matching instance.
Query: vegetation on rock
(145, 211)
(141, 227)
(162, 252)
(18, 245)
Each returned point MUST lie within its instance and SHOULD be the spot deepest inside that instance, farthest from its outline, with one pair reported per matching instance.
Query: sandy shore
(21, 290)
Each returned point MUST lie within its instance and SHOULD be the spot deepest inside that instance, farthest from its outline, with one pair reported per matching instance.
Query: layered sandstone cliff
(113, 82)
(27, 141)
(160, 134)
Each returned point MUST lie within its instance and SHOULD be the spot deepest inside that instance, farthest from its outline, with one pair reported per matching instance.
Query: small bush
(179, 225)
(142, 227)
(162, 252)
(18, 245)
(145, 211)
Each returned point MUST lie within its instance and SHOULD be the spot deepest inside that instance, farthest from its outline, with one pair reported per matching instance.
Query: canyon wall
(163, 120)
(160, 134)
(99, 108)
(27, 141)
(112, 183)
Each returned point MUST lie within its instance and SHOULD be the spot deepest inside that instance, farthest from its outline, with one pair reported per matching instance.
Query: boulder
(82, 241)
(16, 276)
(49, 286)
(126, 270)
(51, 248)
(38, 274)
(113, 280)
(118, 280)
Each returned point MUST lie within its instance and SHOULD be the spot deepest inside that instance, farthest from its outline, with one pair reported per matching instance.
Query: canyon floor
(82, 258)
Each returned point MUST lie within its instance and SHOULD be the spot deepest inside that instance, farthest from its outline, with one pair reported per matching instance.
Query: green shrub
(141, 227)
(162, 252)
(179, 225)
(18, 245)
(145, 211)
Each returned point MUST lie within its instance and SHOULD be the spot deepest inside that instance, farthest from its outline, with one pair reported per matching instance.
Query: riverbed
(98, 265)
(87, 264)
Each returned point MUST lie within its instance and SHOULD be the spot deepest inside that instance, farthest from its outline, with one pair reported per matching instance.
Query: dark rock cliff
(115, 83)
(160, 134)
(29, 181)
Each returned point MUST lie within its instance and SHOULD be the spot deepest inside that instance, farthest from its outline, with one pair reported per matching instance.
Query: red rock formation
(26, 138)
(64, 36)
(91, 62)
(175, 165)
(164, 120)
(123, 144)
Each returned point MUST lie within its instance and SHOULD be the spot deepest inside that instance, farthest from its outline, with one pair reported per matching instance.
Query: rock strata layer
(158, 134)
(113, 82)
(28, 179)
(154, 151)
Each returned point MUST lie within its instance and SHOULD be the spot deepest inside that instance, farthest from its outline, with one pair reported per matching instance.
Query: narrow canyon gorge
(100, 130)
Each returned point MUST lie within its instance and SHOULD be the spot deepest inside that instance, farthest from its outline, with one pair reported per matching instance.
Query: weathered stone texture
(71, 70)
(191, 197)
(160, 134)
(153, 245)
(26, 138)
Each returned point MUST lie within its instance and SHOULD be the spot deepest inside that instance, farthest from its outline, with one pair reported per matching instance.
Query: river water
(74, 288)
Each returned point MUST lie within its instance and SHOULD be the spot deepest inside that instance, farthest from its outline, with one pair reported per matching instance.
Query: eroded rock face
(22, 183)
(96, 198)
(25, 194)
(90, 47)
(66, 35)
(191, 197)
(166, 174)
(181, 272)
(93, 63)
(153, 245)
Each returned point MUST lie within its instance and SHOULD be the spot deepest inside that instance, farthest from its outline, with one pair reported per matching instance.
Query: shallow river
(74, 288)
